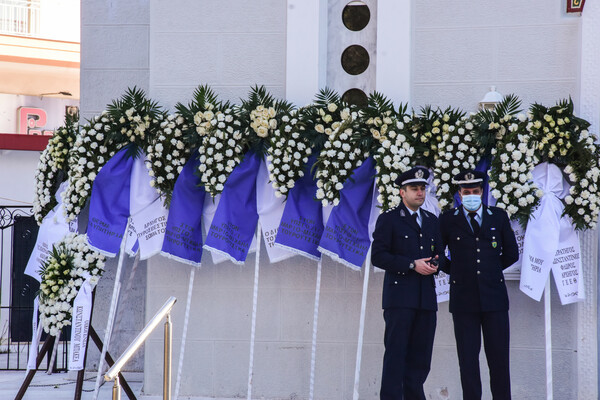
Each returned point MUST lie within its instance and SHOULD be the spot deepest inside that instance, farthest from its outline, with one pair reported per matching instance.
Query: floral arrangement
(289, 150)
(167, 154)
(68, 265)
(341, 137)
(218, 135)
(504, 138)
(386, 137)
(53, 167)
(491, 126)
(91, 150)
(563, 139)
(456, 152)
(425, 134)
(510, 175)
(341, 153)
(261, 115)
(134, 119)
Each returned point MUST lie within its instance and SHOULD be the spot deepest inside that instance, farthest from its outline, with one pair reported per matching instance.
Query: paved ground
(59, 386)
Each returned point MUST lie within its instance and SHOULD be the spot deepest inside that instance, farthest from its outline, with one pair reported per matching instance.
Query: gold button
(501, 280)
(477, 239)
(395, 282)
(478, 261)
(420, 234)
(406, 237)
(458, 238)
(478, 272)
(421, 247)
(453, 281)
(478, 250)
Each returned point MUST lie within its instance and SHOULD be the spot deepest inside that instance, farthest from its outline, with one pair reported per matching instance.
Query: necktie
(474, 223)
(415, 217)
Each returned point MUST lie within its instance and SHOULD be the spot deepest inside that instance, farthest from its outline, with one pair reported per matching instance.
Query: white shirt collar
(479, 213)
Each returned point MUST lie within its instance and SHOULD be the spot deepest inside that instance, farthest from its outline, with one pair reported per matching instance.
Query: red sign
(575, 6)
(32, 121)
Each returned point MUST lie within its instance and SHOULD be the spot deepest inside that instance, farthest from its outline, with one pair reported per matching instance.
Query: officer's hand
(423, 267)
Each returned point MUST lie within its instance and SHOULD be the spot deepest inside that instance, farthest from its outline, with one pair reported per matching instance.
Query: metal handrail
(113, 372)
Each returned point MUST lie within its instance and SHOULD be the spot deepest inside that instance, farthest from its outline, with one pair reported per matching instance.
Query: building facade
(420, 52)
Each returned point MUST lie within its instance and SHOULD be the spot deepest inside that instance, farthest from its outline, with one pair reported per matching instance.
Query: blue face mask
(471, 202)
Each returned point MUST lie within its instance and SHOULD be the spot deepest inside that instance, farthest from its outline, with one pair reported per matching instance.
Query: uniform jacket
(397, 241)
(476, 263)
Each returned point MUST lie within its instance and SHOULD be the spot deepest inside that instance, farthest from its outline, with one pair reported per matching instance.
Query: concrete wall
(459, 49)
(114, 51)
(114, 56)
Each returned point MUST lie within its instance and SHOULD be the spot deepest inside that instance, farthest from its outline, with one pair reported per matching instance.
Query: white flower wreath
(221, 148)
(53, 162)
(561, 138)
(457, 151)
(393, 156)
(63, 273)
(289, 149)
(167, 154)
(90, 152)
(510, 172)
(339, 157)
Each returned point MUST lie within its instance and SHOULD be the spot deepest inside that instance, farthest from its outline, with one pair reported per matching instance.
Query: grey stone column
(587, 318)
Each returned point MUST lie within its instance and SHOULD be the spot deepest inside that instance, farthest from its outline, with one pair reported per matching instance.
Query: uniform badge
(432, 247)
(419, 174)
(402, 213)
(470, 176)
(494, 244)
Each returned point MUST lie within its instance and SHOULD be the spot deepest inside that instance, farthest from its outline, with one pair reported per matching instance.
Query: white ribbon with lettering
(514, 271)
(131, 243)
(80, 325)
(551, 242)
(54, 227)
(148, 214)
(35, 336)
(442, 280)
(270, 209)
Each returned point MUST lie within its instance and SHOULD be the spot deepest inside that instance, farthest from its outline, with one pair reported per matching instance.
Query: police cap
(415, 175)
(469, 179)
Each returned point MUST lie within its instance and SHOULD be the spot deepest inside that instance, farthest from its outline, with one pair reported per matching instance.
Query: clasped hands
(426, 266)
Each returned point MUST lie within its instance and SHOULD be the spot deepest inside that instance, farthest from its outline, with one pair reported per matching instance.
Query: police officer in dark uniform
(407, 245)
(481, 245)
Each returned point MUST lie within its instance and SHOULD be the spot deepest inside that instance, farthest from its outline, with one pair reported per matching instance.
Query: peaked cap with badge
(469, 179)
(414, 175)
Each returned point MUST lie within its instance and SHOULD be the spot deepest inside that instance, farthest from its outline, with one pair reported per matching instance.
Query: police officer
(481, 244)
(407, 245)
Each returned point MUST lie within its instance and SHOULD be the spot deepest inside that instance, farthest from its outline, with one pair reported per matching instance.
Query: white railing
(20, 17)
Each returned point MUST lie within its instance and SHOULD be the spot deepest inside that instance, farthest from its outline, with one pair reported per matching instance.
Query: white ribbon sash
(551, 242)
(54, 227)
(270, 209)
(35, 338)
(514, 271)
(148, 215)
(80, 325)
